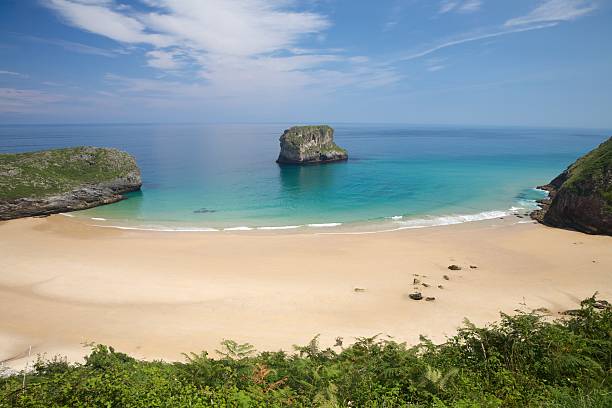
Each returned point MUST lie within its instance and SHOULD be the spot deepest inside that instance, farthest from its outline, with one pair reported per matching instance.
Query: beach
(155, 295)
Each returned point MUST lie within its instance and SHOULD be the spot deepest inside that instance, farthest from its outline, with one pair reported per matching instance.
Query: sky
(448, 62)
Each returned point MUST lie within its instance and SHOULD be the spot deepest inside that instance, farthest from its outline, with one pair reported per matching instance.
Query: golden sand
(158, 294)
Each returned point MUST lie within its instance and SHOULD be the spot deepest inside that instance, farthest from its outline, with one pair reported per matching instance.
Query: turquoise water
(224, 176)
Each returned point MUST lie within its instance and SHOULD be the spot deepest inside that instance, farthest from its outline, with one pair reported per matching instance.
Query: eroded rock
(309, 145)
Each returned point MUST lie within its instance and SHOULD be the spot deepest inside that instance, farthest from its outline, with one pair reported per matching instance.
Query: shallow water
(212, 177)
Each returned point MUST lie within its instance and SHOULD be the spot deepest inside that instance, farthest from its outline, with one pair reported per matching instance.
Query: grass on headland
(522, 361)
(44, 173)
(592, 170)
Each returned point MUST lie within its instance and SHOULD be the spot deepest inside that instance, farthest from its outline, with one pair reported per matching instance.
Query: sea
(223, 177)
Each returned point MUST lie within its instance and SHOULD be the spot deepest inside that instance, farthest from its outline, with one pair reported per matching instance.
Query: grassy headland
(44, 173)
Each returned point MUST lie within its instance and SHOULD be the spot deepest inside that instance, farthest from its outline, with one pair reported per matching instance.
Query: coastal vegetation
(50, 181)
(525, 360)
(581, 196)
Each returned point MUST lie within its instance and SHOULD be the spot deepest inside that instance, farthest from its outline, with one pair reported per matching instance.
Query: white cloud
(234, 27)
(166, 60)
(461, 6)
(99, 18)
(244, 27)
(554, 11)
(15, 74)
(237, 48)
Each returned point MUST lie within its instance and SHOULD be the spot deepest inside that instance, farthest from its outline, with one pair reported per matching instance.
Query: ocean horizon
(213, 177)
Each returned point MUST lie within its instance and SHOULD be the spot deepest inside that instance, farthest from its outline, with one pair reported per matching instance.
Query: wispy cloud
(471, 38)
(548, 14)
(14, 74)
(74, 46)
(460, 6)
(435, 64)
(24, 100)
(554, 11)
(395, 14)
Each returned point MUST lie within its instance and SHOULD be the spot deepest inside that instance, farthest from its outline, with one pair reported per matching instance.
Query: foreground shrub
(521, 361)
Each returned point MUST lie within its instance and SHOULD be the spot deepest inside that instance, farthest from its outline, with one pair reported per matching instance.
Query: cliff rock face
(61, 180)
(309, 144)
(581, 197)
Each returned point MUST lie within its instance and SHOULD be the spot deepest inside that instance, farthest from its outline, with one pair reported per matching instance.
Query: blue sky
(483, 62)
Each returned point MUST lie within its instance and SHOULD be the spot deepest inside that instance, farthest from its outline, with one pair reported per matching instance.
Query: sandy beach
(155, 295)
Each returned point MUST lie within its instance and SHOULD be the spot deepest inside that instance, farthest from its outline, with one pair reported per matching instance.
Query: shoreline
(372, 226)
(155, 296)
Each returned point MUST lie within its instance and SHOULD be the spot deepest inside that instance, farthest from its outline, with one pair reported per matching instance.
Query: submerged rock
(309, 144)
(204, 211)
(580, 198)
(454, 267)
(62, 180)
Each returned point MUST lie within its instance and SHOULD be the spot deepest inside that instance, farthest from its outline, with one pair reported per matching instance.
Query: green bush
(522, 361)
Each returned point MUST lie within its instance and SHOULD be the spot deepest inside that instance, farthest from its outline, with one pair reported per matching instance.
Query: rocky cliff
(61, 180)
(581, 197)
(309, 144)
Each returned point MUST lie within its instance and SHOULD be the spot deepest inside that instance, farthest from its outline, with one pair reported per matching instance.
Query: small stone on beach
(454, 267)
(429, 298)
(446, 277)
(359, 290)
(415, 296)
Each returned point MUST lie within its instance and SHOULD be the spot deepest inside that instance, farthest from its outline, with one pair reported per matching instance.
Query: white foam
(284, 227)
(327, 225)
(431, 222)
(453, 219)
(397, 217)
(238, 229)
(67, 215)
(98, 219)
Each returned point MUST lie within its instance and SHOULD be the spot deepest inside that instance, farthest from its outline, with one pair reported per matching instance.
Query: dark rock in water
(446, 277)
(62, 180)
(454, 267)
(473, 267)
(204, 211)
(415, 296)
(440, 287)
(309, 145)
(580, 198)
